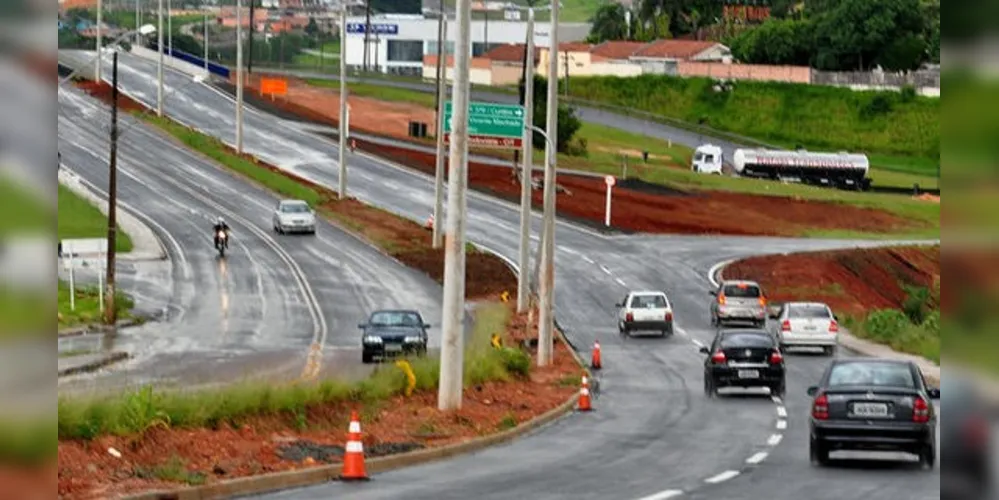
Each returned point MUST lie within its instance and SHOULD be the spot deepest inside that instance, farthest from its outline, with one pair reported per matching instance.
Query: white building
(398, 42)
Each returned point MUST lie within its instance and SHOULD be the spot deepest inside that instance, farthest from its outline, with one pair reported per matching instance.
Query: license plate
(393, 348)
(749, 374)
(870, 410)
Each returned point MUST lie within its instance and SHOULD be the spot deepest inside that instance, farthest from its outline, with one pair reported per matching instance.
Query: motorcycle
(221, 242)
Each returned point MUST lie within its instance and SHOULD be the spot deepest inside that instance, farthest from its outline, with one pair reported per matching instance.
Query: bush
(884, 325)
(516, 361)
(908, 94)
(880, 104)
(916, 303)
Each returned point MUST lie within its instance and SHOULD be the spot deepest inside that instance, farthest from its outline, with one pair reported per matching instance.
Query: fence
(791, 74)
(926, 81)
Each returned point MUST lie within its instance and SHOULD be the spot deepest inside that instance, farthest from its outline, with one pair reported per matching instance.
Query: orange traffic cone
(353, 457)
(595, 356)
(430, 222)
(584, 396)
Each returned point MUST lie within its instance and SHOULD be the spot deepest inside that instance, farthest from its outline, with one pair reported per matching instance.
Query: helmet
(220, 220)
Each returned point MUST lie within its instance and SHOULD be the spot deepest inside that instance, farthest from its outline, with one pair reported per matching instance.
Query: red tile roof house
(662, 56)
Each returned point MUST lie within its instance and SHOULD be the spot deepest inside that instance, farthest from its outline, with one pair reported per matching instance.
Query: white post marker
(72, 282)
(609, 181)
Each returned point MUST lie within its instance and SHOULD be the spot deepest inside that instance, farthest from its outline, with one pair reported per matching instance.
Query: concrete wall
(793, 74)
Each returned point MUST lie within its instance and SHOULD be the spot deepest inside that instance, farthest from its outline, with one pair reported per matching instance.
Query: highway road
(653, 433)
(258, 311)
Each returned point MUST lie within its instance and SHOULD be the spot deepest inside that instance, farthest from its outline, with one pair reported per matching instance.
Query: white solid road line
(775, 439)
(724, 476)
(782, 424)
(757, 458)
(663, 495)
(781, 412)
(714, 270)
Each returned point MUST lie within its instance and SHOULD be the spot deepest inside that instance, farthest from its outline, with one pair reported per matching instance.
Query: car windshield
(648, 302)
(295, 208)
(808, 311)
(871, 373)
(395, 318)
(736, 340)
(742, 290)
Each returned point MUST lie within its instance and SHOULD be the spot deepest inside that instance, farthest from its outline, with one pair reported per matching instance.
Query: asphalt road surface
(256, 312)
(653, 431)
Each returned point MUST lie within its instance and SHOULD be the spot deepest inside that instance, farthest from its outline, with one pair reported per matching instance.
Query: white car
(645, 311)
(807, 324)
(294, 216)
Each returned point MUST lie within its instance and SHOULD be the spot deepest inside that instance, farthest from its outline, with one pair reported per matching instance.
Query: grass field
(21, 212)
(88, 306)
(79, 219)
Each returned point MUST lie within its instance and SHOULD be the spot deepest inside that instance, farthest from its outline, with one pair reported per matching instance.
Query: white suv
(645, 311)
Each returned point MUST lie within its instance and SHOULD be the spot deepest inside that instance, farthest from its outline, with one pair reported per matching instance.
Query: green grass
(24, 313)
(905, 135)
(80, 219)
(892, 328)
(373, 91)
(88, 306)
(132, 413)
(28, 442)
(21, 212)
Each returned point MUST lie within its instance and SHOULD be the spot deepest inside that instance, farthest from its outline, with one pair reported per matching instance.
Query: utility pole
(452, 341)
(566, 74)
(206, 44)
(159, 66)
(546, 318)
(239, 76)
(110, 314)
(138, 22)
(249, 61)
(100, 43)
(344, 122)
(367, 32)
(441, 98)
(525, 176)
(170, 28)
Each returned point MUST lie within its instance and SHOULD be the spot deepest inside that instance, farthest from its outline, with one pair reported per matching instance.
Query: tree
(568, 122)
(859, 34)
(776, 41)
(312, 29)
(608, 23)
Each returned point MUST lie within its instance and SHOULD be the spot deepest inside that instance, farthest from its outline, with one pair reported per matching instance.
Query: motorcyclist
(220, 225)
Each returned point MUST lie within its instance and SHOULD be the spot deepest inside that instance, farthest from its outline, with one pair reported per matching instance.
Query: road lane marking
(698, 343)
(604, 269)
(757, 458)
(663, 495)
(782, 424)
(781, 412)
(724, 476)
(776, 399)
(714, 270)
(775, 439)
(621, 282)
(589, 260)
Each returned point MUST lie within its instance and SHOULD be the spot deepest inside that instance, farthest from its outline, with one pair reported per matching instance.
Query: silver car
(294, 216)
(807, 324)
(739, 301)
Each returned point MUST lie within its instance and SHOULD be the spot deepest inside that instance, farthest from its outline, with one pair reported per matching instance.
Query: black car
(965, 441)
(743, 358)
(393, 333)
(871, 404)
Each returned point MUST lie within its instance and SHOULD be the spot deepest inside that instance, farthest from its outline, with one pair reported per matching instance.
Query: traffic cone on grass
(584, 396)
(595, 356)
(353, 457)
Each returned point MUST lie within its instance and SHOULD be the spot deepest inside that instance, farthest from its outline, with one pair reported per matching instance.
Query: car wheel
(819, 452)
(779, 390)
(367, 358)
(928, 456)
(709, 388)
(620, 327)
(829, 350)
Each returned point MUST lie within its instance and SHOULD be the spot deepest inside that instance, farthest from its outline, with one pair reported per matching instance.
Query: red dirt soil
(851, 282)
(702, 212)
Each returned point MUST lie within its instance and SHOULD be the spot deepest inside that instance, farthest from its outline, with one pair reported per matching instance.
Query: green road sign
(489, 124)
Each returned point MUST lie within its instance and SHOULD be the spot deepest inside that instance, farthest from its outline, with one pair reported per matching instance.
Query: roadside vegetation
(914, 329)
(23, 215)
(78, 218)
(87, 302)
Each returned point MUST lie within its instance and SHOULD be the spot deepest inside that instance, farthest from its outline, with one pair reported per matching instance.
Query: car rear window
(747, 340)
(648, 302)
(394, 318)
(294, 208)
(742, 291)
(808, 311)
(871, 373)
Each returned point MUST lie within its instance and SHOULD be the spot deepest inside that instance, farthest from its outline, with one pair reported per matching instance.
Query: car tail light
(776, 357)
(820, 407)
(629, 317)
(718, 357)
(920, 410)
(785, 326)
(669, 316)
(833, 327)
(721, 299)
(763, 301)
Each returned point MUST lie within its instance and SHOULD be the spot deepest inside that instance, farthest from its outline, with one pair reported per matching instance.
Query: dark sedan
(743, 358)
(870, 404)
(965, 441)
(393, 333)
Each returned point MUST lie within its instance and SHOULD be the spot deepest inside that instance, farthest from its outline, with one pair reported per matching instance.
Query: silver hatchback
(739, 301)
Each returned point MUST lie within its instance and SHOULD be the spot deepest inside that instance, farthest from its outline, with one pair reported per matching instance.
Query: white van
(707, 159)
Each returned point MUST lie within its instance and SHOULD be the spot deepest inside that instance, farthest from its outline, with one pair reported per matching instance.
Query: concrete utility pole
(452, 342)
(253, 18)
(159, 66)
(170, 28)
(441, 98)
(138, 22)
(344, 122)
(110, 314)
(239, 76)
(100, 57)
(523, 278)
(367, 32)
(546, 317)
(206, 43)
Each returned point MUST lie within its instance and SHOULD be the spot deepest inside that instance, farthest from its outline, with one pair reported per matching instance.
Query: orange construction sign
(273, 86)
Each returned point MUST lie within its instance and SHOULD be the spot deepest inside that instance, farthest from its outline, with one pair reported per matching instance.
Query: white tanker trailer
(843, 170)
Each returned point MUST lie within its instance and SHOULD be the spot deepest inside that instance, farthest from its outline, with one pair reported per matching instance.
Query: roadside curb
(97, 328)
(95, 365)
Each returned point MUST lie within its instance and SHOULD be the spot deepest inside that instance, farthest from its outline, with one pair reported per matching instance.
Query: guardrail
(214, 68)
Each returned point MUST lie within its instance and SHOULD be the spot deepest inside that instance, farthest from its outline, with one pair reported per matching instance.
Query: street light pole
(452, 342)
(441, 97)
(138, 22)
(206, 43)
(100, 59)
(170, 29)
(159, 66)
(109, 311)
(344, 123)
(546, 317)
(239, 76)
(527, 168)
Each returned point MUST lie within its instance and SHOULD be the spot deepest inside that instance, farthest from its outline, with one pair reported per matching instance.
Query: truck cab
(707, 159)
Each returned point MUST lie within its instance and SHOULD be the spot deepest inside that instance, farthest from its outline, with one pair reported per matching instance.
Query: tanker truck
(842, 170)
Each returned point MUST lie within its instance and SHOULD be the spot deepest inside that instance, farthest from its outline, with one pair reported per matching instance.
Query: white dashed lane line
(757, 458)
(724, 476)
(621, 282)
(663, 495)
(588, 260)
(775, 439)
(605, 269)
(781, 424)
(781, 412)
